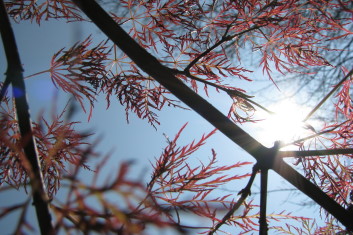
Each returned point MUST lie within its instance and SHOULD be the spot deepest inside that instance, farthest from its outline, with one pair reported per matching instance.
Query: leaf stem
(35, 74)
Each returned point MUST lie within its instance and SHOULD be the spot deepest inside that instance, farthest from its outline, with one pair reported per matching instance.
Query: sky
(135, 140)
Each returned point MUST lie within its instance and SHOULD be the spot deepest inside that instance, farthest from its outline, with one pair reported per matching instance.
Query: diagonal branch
(230, 92)
(313, 136)
(15, 77)
(225, 38)
(165, 77)
(245, 192)
(328, 96)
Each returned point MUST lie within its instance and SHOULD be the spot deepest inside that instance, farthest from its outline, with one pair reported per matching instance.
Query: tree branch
(164, 76)
(244, 194)
(263, 202)
(327, 96)
(15, 77)
(310, 153)
(230, 92)
(313, 136)
(224, 39)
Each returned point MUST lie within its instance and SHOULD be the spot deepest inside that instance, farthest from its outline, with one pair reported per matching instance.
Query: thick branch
(164, 76)
(15, 77)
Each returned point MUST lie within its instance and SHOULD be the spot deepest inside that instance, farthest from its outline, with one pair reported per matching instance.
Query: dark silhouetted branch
(263, 202)
(311, 153)
(244, 194)
(14, 77)
(165, 77)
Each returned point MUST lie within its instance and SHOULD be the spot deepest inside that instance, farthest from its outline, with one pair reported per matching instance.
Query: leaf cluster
(202, 43)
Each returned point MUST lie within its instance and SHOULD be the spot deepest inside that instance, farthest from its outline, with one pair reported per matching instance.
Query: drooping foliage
(206, 45)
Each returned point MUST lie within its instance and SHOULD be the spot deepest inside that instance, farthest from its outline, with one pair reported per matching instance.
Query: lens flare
(285, 125)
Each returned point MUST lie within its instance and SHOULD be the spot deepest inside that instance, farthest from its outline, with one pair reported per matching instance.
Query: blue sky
(137, 140)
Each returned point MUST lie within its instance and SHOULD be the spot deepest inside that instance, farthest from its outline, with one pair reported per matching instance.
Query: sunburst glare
(285, 125)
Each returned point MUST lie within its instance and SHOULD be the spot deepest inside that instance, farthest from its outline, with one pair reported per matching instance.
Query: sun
(286, 124)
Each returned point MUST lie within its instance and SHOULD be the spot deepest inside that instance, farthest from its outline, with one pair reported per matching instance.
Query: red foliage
(58, 146)
(72, 69)
(43, 10)
(137, 93)
(174, 176)
(201, 43)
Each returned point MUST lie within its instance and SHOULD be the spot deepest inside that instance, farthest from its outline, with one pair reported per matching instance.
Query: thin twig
(4, 88)
(244, 194)
(230, 92)
(224, 39)
(327, 96)
(313, 136)
(22, 220)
